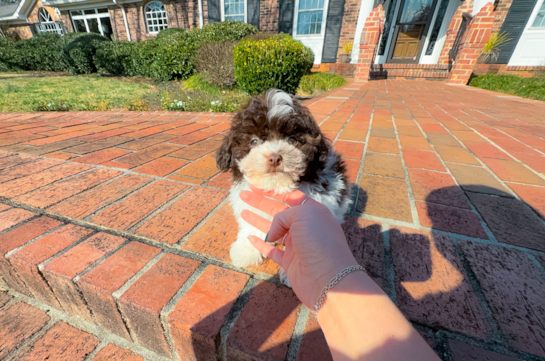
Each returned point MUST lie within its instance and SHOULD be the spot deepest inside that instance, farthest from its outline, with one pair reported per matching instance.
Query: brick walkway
(115, 229)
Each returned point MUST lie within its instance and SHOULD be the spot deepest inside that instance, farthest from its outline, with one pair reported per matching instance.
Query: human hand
(315, 246)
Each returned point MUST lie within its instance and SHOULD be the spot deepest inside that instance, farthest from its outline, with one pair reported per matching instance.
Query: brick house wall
(501, 8)
(24, 31)
(349, 24)
(269, 12)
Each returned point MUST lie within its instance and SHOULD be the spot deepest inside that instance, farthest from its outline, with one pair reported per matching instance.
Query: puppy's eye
(253, 142)
(291, 140)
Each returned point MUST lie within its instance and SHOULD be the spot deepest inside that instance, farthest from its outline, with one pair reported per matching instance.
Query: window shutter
(285, 21)
(213, 11)
(253, 12)
(514, 25)
(333, 30)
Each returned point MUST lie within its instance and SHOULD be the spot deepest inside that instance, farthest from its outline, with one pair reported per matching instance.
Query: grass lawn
(533, 88)
(46, 91)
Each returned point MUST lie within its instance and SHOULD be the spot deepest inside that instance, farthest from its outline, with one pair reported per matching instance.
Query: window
(156, 17)
(43, 16)
(539, 21)
(234, 10)
(92, 21)
(310, 16)
(46, 24)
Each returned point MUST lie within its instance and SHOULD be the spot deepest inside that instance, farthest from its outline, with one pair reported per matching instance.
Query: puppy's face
(274, 143)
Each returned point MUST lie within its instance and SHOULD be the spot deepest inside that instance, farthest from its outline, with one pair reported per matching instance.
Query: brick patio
(115, 229)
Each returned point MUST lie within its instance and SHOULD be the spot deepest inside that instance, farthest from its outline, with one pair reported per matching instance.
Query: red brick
(148, 154)
(204, 168)
(463, 352)
(382, 145)
(534, 196)
(56, 138)
(105, 134)
(50, 133)
(61, 270)
(4, 207)
(53, 193)
(443, 139)
(26, 260)
(26, 184)
(192, 137)
(313, 346)
(512, 286)
(16, 238)
(161, 166)
(59, 155)
(434, 291)
(450, 219)
(114, 353)
(422, 159)
(433, 128)
(484, 150)
(27, 169)
(4, 298)
(178, 219)
(220, 127)
(146, 142)
(128, 212)
(141, 304)
(512, 171)
(187, 129)
(117, 165)
(414, 143)
(411, 131)
(98, 284)
(15, 160)
(352, 169)
(185, 179)
(384, 197)
(90, 201)
(197, 150)
(101, 156)
(265, 326)
(510, 221)
(536, 162)
(61, 342)
(350, 149)
(197, 318)
(477, 179)
(436, 187)
(13, 216)
(150, 131)
(97, 145)
(383, 164)
(19, 322)
(223, 181)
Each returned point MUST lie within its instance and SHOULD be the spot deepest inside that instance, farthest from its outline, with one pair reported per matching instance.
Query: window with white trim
(156, 17)
(539, 21)
(46, 24)
(92, 21)
(310, 17)
(43, 16)
(234, 10)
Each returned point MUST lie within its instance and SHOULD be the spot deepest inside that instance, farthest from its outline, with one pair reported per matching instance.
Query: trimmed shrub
(112, 57)
(80, 50)
(278, 62)
(7, 49)
(170, 31)
(42, 52)
(262, 35)
(215, 61)
(225, 30)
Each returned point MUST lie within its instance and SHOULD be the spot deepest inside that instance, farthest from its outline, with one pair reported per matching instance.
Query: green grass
(68, 93)
(317, 83)
(533, 88)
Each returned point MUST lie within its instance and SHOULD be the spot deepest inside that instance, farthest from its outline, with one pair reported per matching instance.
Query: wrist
(331, 272)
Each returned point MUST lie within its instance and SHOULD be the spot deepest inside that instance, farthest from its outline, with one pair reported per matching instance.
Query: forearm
(360, 322)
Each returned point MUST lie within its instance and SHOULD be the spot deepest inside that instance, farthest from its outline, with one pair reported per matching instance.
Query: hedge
(277, 62)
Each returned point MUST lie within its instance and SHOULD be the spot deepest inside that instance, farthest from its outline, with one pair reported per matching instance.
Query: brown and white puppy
(275, 144)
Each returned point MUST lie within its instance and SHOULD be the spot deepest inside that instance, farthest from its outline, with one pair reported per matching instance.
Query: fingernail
(266, 237)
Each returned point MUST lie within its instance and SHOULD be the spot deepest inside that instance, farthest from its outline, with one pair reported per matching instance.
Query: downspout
(200, 14)
(125, 19)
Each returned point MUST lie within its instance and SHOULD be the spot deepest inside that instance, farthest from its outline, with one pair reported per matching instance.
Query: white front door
(309, 25)
(530, 49)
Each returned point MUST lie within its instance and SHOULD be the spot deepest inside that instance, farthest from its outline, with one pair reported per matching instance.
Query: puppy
(275, 144)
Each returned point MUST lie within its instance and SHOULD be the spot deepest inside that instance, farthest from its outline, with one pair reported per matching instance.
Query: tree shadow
(423, 271)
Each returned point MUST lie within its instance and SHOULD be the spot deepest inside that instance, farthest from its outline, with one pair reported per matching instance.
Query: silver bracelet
(332, 283)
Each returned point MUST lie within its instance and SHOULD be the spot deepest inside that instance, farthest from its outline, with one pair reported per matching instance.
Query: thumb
(281, 224)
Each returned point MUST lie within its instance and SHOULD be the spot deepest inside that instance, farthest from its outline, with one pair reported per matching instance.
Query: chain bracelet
(332, 283)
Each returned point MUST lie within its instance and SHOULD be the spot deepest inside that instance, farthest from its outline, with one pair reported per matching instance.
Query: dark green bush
(170, 31)
(278, 62)
(80, 50)
(113, 57)
(42, 52)
(226, 30)
(7, 49)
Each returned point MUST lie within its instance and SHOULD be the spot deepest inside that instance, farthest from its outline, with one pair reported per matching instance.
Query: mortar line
(298, 334)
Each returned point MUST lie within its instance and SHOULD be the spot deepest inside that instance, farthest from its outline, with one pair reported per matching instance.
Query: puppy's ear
(223, 155)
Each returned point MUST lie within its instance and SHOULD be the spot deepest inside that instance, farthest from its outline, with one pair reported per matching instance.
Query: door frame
(313, 41)
(423, 39)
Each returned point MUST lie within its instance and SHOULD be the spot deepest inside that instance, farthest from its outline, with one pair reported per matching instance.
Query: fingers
(294, 198)
(271, 252)
(268, 206)
(281, 225)
(257, 221)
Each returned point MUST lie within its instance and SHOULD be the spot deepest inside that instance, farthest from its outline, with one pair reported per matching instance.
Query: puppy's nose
(275, 160)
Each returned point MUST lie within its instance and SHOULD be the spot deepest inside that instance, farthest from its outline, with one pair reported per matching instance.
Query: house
(416, 39)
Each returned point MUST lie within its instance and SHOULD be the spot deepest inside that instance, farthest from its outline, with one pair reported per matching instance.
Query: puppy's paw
(284, 277)
(243, 254)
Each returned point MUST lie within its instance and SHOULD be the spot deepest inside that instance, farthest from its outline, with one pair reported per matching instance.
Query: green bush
(278, 62)
(7, 49)
(80, 50)
(198, 82)
(320, 82)
(533, 88)
(225, 30)
(42, 52)
(170, 31)
(113, 57)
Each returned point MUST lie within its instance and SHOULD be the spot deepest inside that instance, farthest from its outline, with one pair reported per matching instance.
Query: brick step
(175, 306)
(410, 71)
